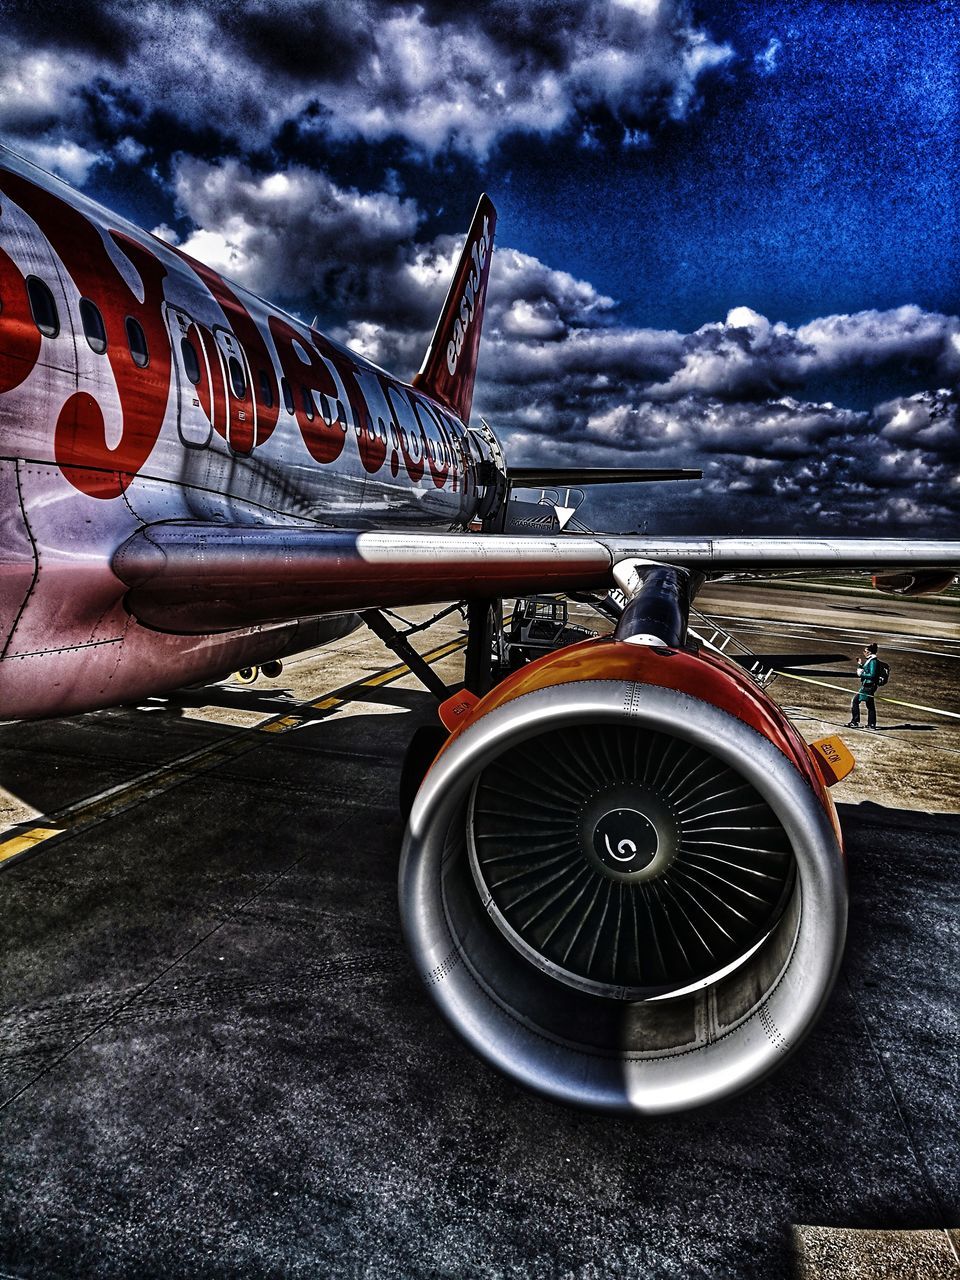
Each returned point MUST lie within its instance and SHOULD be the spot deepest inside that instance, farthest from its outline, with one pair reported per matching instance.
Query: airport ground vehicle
(538, 625)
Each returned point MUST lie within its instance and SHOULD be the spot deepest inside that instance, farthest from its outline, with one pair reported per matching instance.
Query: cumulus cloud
(97, 84)
(770, 460)
(561, 376)
(67, 160)
(442, 75)
(905, 335)
(298, 235)
(747, 355)
(787, 465)
(38, 88)
(929, 420)
(434, 74)
(38, 108)
(530, 300)
(766, 62)
(295, 234)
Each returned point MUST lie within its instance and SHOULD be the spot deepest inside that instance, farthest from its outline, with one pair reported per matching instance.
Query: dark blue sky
(826, 182)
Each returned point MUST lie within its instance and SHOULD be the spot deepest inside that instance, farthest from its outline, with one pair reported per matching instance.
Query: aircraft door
(240, 400)
(194, 379)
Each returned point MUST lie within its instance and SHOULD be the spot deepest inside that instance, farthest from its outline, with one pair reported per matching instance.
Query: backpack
(881, 673)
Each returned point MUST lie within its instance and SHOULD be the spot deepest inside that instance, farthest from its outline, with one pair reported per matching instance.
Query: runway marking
(23, 839)
(383, 677)
(27, 840)
(898, 702)
(814, 586)
(807, 631)
(278, 726)
(758, 625)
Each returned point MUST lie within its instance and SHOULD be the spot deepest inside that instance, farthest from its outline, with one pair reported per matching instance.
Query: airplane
(622, 880)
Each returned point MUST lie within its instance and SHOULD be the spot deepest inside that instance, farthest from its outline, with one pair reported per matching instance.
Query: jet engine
(623, 882)
(914, 582)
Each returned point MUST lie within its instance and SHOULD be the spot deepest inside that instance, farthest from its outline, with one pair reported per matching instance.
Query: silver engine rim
(633, 1082)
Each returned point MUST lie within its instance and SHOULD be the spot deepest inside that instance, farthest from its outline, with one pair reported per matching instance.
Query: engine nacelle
(916, 582)
(622, 880)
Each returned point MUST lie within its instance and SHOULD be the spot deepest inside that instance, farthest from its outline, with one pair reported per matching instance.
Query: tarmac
(215, 1059)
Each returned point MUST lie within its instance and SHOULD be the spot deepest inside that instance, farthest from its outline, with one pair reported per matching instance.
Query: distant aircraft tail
(450, 365)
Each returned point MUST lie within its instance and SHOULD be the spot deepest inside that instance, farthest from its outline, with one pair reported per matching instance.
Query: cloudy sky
(729, 233)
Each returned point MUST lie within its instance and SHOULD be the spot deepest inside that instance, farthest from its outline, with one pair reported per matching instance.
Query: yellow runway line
(395, 673)
(281, 725)
(82, 814)
(26, 840)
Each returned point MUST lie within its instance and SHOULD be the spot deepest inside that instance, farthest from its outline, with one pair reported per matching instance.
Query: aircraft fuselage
(136, 387)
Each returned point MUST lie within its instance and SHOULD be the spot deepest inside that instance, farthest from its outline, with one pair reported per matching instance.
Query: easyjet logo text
(470, 298)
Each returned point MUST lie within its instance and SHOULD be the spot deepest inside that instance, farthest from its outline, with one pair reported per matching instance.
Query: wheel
(272, 669)
(247, 675)
(424, 745)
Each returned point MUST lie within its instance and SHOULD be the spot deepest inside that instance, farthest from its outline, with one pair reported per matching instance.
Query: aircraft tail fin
(450, 365)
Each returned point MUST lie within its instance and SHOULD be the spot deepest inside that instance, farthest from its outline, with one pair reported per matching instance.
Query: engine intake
(622, 880)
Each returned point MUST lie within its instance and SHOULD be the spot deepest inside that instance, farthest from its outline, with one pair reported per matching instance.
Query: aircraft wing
(198, 578)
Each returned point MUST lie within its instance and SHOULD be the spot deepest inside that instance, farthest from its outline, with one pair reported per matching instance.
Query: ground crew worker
(867, 671)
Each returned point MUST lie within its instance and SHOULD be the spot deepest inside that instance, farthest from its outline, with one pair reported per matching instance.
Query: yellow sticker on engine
(833, 758)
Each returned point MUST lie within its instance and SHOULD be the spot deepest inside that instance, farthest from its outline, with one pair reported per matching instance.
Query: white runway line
(802, 630)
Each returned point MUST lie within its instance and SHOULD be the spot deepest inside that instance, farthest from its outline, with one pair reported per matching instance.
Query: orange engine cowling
(622, 880)
(917, 582)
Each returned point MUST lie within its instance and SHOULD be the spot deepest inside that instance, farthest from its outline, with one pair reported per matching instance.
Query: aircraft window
(137, 341)
(287, 395)
(237, 380)
(308, 405)
(333, 412)
(430, 429)
(190, 362)
(43, 307)
(266, 391)
(93, 329)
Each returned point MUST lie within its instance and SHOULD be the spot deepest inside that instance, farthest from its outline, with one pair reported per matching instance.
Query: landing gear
(248, 675)
(383, 628)
(483, 623)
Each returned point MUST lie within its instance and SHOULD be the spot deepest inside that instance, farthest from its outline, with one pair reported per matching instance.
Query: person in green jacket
(867, 671)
